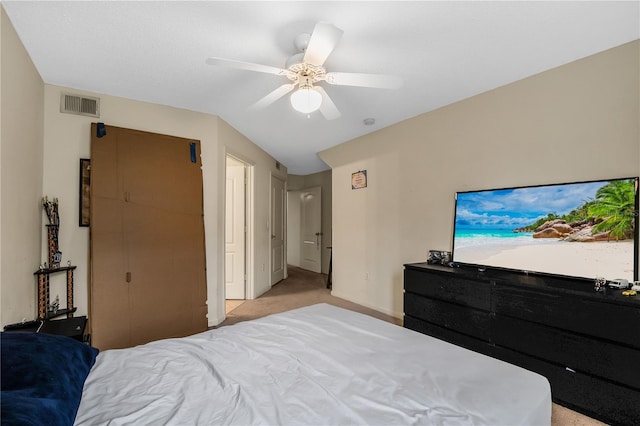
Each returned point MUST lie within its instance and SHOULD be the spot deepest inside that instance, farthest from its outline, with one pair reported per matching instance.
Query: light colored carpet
(231, 304)
(304, 288)
(301, 288)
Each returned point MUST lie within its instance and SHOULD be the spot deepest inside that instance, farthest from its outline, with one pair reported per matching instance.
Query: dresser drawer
(446, 334)
(463, 320)
(597, 398)
(465, 292)
(617, 323)
(580, 353)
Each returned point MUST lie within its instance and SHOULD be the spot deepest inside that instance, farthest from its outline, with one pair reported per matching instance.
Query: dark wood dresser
(586, 344)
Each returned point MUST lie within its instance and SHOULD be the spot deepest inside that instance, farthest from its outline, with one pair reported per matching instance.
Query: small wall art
(359, 179)
(85, 193)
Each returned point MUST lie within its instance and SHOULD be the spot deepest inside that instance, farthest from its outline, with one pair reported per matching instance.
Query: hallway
(300, 288)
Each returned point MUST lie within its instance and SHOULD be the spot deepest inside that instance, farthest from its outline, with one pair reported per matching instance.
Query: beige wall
(294, 185)
(576, 122)
(21, 156)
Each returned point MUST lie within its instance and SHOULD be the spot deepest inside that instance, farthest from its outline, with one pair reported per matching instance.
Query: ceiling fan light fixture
(306, 100)
(302, 41)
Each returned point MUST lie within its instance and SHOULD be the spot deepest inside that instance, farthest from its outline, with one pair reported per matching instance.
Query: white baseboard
(398, 315)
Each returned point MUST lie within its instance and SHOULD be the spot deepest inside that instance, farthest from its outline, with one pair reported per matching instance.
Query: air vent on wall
(80, 105)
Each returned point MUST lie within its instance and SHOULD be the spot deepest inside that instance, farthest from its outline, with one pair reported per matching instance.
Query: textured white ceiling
(445, 51)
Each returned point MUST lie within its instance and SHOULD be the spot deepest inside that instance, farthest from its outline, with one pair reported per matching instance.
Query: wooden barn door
(147, 238)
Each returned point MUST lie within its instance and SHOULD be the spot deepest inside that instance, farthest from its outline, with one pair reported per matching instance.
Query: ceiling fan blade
(379, 81)
(248, 66)
(327, 107)
(272, 97)
(323, 40)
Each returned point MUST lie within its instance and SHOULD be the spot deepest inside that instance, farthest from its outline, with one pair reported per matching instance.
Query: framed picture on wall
(359, 179)
(85, 194)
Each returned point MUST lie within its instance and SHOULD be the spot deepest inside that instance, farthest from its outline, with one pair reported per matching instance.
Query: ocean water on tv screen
(489, 238)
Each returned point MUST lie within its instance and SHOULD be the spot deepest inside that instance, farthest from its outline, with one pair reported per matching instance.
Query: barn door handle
(192, 151)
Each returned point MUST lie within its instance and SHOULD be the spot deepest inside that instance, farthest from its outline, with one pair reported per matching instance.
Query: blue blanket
(42, 378)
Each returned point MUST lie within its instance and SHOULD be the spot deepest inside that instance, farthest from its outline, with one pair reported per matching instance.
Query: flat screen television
(580, 229)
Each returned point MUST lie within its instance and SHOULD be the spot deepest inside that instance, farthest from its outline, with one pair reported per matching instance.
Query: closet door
(164, 232)
(109, 310)
(162, 235)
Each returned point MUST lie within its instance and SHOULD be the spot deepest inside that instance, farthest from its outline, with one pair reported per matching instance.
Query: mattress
(318, 365)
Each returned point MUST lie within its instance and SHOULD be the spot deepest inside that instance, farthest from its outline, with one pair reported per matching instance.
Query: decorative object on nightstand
(46, 309)
(51, 209)
(44, 313)
(55, 305)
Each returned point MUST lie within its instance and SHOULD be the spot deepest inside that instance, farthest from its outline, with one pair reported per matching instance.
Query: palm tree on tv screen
(615, 205)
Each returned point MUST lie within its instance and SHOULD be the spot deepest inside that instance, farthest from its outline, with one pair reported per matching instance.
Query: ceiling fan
(305, 70)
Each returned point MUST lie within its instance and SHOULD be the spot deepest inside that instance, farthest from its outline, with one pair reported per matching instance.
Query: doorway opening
(237, 233)
(278, 229)
(304, 228)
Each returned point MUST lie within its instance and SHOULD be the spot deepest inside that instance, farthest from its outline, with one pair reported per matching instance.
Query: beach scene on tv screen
(578, 229)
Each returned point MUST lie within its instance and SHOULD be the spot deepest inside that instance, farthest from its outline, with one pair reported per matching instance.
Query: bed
(318, 365)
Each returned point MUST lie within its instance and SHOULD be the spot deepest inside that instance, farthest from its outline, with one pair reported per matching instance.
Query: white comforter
(319, 365)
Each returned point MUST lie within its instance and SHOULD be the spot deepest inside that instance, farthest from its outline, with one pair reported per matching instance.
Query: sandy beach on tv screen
(605, 259)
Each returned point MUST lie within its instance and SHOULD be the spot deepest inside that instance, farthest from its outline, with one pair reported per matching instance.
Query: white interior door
(277, 230)
(235, 275)
(293, 228)
(311, 229)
